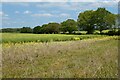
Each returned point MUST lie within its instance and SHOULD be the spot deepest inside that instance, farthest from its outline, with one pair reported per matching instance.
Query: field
(59, 56)
(22, 38)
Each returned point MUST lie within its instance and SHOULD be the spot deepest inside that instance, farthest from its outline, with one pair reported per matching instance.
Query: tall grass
(94, 58)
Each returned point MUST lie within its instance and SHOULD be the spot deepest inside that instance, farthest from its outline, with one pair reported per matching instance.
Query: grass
(21, 38)
(88, 58)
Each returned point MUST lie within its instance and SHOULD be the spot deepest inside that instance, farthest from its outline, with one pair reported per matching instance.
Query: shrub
(118, 32)
(111, 33)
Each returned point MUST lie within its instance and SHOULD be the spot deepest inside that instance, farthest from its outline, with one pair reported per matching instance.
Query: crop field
(59, 56)
(21, 38)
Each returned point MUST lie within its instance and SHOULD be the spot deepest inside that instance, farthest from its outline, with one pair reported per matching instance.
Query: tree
(11, 30)
(44, 28)
(110, 20)
(50, 28)
(53, 28)
(86, 21)
(104, 19)
(26, 30)
(69, 25)
(37, 30)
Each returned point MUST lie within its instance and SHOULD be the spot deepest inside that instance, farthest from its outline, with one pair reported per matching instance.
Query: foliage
(37, 29)
(91, 20)
(69, 25)
(53, 28)
(86, 21)
(47, 28)
(10, 30)
(112, 32)
(26, 30)
(105, 20)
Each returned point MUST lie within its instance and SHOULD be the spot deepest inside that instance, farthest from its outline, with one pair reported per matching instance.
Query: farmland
(21, 38)
(47, 39)
(59, 56)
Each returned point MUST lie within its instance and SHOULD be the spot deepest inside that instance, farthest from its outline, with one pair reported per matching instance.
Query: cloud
(27, 12)
(1, 13)
(51, 15)
(57, 0)
(17, 12)
(3, 16)
(34, 0)
(64, 15)
(23, 4)
(43, 15)
(51, 4)
(76, 5)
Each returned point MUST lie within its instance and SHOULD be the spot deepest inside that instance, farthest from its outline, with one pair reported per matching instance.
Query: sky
(31, 13)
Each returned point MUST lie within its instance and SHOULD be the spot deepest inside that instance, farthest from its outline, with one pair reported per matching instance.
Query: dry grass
(83, 59)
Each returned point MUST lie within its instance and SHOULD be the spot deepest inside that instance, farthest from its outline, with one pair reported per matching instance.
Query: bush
(96, 33)
(26, 30)
(118, 32)
(111, 33)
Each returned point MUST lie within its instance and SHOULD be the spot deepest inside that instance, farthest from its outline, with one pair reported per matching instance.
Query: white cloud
(20, 3)
(6, 15)
(43, 15)
(64, 15)
(1, 13)
(57, 0)
(3, 16)
(52, 4)
(27, 12)
(82, 0)
(51, 15)
(34, 0)
(77, 5)
(17, 12)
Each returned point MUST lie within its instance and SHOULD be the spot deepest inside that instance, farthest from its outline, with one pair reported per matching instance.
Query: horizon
(31, 14)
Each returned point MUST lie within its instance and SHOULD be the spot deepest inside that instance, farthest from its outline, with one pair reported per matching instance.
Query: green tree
(44, 28)
(53, 28)
(86, 21)
(104, 19)
(37, 29)
(26, 30)
(69, 25)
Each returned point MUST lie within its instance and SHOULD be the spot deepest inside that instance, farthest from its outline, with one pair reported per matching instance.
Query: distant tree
(86, 21)
(26, 30)
(104, 19)
(11, 30)
(37, 30)
(44, 29)
(53, 28)
(69, 25)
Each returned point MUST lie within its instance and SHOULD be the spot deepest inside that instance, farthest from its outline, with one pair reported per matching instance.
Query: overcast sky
(30, 14)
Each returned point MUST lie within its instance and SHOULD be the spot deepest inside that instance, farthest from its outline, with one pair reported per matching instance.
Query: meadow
(59, 56)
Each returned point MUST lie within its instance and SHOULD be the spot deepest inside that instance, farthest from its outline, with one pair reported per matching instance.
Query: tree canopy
(104, 19)
(86, 21)
(100, 19)
(26, 30)
(69, 25)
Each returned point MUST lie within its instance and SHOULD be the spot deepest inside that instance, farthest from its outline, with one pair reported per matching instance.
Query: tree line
(89, 20)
